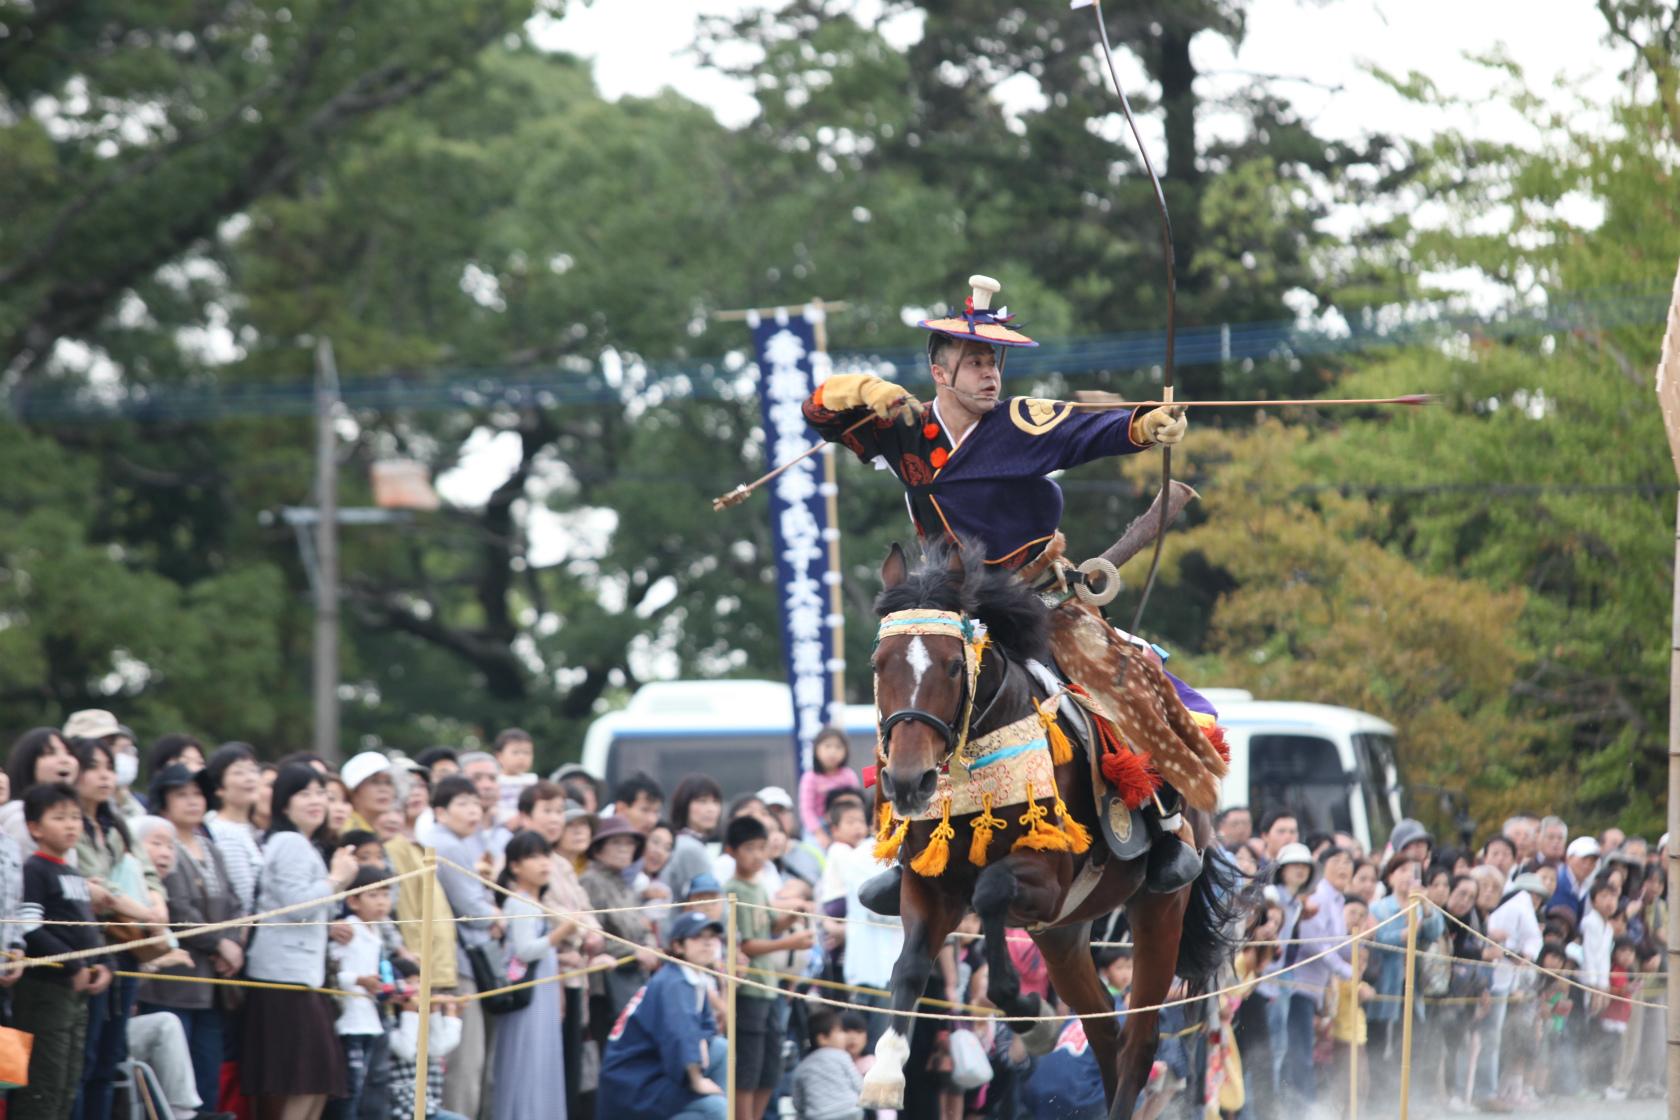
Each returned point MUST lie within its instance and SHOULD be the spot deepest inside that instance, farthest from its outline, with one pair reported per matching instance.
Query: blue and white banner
(789, 369)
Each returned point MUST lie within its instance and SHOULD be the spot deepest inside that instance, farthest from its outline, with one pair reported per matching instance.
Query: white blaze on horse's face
(919, 661)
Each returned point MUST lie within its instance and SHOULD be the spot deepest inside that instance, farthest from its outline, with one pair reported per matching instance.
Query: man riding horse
(974, 465)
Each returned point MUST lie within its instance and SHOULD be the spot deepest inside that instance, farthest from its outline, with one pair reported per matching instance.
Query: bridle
(943, 624)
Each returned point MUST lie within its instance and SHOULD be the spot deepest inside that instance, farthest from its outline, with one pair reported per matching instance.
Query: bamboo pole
(1407, 1008)
(732, 946)
(422, 1044)
(1353, 1065)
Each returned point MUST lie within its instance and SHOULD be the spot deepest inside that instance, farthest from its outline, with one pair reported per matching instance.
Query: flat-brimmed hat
(616, 826)
(1531, 883)
(691, 924)
(978, 322)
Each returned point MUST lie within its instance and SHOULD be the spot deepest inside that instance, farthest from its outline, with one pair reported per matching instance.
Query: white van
(1334, 767)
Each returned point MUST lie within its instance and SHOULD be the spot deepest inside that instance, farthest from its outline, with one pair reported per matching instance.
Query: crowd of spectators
(313, 1009)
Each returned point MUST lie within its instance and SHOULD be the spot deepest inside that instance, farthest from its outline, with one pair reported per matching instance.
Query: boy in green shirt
(758, 1054)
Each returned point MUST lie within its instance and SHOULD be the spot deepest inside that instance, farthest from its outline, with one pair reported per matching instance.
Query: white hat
(775, 797)
(363, 766)
(91, 723)
(1294, 853)
(1582, 846)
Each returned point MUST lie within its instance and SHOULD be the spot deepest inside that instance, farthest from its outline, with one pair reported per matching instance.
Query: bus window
(738, 763)
(1379, 779)
(1302, 774)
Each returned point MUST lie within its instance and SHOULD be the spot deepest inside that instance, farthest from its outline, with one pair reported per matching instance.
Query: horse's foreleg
(1156, 921)
(929, 917)
(1067, 955)
(1028, 885)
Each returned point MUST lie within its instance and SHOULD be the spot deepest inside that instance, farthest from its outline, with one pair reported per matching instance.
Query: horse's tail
(1210, 935)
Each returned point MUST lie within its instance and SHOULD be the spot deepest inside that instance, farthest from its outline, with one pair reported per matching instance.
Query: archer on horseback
(974, 465)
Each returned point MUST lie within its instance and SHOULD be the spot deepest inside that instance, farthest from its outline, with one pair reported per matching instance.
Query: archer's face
(976, 381)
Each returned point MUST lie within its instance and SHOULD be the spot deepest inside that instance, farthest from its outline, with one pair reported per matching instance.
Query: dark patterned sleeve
(865, 442)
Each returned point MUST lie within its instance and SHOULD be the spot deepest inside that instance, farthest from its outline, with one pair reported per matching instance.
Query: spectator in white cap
(1579, 861)
(372, 789)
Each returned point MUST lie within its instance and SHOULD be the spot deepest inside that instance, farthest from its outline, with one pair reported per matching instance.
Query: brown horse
(927, 689)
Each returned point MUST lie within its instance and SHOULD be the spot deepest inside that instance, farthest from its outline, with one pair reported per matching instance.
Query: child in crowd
(528, 1077)
(1347, 1015)
(848, 826)
(827, 1084)
(1557, 1003)
(758, 1057)
(365, 846)
(1618, 1012)
(51, 1003)
(515, 751)
(360, 1023)
(829, 771)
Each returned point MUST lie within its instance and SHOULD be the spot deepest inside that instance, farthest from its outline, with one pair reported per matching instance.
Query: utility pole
(326, 552)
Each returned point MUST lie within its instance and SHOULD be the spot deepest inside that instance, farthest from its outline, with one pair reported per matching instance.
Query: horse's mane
(1015, 617)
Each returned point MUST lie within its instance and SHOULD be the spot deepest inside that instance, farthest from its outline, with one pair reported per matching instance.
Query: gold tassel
(984, 825)
(1041, 835)
(1079, 837)
(931, 863)
(887, 838)
(1061, 750)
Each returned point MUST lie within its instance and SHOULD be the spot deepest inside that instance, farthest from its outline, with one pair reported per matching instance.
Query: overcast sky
(640, 46)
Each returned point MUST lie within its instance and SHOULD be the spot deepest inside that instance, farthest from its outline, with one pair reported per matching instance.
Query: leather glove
(843, 391)
(1163, 425)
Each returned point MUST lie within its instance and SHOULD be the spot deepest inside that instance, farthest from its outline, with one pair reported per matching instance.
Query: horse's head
(925, 667)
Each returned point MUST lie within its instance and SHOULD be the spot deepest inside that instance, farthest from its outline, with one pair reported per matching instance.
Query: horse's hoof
(885, 1091)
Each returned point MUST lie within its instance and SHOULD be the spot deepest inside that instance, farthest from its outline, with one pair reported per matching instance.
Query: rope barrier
(910, 1014)
(216, 927)
(1520, 959)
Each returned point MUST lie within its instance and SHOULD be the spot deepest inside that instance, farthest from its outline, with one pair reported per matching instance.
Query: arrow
(1105, 402)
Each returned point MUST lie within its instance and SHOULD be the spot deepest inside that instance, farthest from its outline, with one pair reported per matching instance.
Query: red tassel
(1131, 775)
(1216, 736)
(868, 776)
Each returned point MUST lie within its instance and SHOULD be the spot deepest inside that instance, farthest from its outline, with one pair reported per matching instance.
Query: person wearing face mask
(96, 723)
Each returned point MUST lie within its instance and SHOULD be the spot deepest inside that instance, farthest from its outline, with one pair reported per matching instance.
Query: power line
(727, 378)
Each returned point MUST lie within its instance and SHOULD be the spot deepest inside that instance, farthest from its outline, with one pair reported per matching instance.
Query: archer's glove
(1163, 425)
(854, 390)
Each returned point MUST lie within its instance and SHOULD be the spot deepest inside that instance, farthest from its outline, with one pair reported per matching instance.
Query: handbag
(15, 1048)
(970, 1068)
(489, 963)
(127, 879)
